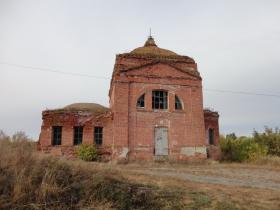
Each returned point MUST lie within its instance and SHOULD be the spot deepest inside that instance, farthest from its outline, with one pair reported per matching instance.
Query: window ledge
(98, 146)
(160, 110)
(179, 111)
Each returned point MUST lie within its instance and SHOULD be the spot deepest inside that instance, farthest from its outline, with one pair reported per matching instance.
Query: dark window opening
(141, 101)
(98, 135)
(211, 136)
(160, 99)
(56, 138)
(78, 135)
(178, 104)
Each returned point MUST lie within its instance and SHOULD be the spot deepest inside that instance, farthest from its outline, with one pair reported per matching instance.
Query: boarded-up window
(56, 135)
(98, 135)
(78, 135)
(160, 99)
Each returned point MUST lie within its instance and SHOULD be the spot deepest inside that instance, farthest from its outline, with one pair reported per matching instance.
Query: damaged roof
(150, 48)
(150, 51)
(91, 107)
(84, 107)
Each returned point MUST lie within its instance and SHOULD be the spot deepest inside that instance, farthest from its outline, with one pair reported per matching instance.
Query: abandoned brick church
(156, 110)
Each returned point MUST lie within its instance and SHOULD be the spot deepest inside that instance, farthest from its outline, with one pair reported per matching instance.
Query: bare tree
(3, 136)
(20, 136)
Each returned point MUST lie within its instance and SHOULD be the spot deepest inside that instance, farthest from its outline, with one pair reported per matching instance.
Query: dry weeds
(31, 180)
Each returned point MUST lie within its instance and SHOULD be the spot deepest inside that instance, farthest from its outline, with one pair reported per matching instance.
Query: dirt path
(227, 186)
(233, 176)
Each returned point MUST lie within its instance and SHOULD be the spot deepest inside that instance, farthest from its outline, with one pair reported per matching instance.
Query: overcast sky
(235, 43)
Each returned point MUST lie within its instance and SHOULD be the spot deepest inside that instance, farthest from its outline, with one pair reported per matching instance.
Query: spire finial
(150, 41)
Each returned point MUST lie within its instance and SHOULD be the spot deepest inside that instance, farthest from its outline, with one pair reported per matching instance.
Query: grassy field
(31, 180)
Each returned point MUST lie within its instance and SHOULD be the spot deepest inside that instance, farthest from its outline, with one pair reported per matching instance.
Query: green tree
(269, 138)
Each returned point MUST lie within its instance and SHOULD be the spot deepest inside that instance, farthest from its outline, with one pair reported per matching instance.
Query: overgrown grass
(226, 205)
(200, 200)
(273, 161)
(29, 180)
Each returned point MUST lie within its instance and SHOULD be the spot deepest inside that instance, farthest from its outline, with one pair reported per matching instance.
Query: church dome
(150, 48)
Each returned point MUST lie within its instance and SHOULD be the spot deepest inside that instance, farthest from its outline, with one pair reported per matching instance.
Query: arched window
(178, 104)
(160, 99)
(141, 101)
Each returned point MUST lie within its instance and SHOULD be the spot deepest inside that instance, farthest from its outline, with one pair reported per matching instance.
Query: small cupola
(150, 42)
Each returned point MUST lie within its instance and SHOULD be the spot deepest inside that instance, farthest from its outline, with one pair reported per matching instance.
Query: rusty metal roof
(150, 48)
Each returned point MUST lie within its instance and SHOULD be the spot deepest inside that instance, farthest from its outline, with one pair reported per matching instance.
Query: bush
(241, 149)
(251, 148)
(269, 138)
(87, 152)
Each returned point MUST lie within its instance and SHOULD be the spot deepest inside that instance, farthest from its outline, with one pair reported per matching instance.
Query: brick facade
(128, 130)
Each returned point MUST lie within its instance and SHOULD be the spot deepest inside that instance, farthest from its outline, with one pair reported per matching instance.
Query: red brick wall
(136, 126)
(68, 120)
(128, 131)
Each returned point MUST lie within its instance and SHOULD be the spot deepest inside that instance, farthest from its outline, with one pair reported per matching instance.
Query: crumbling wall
(69, 119)
(211, 120)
